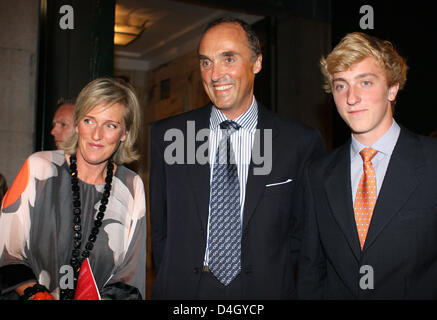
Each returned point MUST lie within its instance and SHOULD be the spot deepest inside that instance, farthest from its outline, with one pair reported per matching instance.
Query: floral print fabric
(36, 223)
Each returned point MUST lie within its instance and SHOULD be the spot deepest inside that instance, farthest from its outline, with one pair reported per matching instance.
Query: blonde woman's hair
(109, 91)
(357, 46)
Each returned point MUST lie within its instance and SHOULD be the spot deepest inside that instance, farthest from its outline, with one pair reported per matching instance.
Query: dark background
(411, 27)
(69, 59)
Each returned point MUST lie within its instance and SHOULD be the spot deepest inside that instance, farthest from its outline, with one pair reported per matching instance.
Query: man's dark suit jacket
(401, 244)
(179, 202)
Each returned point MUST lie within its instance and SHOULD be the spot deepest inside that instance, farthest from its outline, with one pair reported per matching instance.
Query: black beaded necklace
(77, 257)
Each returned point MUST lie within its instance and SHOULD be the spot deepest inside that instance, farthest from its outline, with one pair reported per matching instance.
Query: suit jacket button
(196, 270)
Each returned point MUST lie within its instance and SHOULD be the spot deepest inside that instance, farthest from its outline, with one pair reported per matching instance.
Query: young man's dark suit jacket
(401, 244)
(179, 201)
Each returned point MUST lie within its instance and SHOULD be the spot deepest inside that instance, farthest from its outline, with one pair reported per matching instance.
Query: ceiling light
(125, 34)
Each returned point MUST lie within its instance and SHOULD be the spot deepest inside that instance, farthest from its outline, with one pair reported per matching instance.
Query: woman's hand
(20, 289)
(38, 295)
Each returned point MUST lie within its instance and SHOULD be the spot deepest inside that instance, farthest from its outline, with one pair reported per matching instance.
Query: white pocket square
(279, 183)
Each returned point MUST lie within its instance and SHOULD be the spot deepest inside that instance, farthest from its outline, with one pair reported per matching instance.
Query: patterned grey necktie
(224, 224)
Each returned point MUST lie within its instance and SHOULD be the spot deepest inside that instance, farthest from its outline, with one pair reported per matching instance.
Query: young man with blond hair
(371, 220)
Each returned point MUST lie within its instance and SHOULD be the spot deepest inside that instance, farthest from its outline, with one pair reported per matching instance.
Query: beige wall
(18, 61)
(186, 93)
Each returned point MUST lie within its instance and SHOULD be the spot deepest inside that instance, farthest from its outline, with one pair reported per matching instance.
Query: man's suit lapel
(339, 194)
(401, 179)
(198, 175)
(256, 183)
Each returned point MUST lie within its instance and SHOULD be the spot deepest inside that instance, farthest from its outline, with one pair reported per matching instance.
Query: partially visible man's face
(63, 124)
(228, 68)
(363, 99)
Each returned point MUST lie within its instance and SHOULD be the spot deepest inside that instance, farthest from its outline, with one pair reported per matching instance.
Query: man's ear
(393, 91)
(257, 66)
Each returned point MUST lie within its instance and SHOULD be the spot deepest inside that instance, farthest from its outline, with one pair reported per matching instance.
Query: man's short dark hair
(252, 38)
(64, 101)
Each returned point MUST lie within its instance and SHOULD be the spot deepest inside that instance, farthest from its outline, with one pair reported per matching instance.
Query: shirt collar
(248, 120)
(384, 145)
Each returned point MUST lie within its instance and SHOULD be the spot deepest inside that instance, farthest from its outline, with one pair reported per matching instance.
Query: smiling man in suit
(222, 229)
(371, 227)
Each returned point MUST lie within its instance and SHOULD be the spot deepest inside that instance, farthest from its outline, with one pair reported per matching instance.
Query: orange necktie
(366, 195)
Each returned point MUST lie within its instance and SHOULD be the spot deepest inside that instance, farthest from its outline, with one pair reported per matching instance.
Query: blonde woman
(80, 204)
